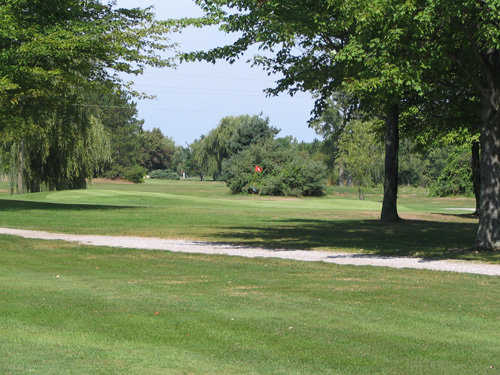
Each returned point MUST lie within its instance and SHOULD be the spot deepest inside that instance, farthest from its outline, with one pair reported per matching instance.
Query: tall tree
(119, 116)
(363, 47)
(340, 109)
(53, 52)
(360, 152)
(158, 150)
(235, 133)
(464, 36)
(199, 162)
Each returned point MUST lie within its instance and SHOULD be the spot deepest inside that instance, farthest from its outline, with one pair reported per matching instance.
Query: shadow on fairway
(14, 205)
(427, 239)
(462, 216)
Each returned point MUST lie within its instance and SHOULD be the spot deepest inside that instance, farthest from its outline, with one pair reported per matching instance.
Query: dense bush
(455, 176)
(135, 174)
(164, 174)
(286, 171)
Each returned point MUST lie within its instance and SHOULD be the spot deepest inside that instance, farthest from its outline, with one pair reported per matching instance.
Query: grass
(72, 309)
(207, 211)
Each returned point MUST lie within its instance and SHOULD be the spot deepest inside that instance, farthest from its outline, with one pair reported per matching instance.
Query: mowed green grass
(207, 211)
(70, 309)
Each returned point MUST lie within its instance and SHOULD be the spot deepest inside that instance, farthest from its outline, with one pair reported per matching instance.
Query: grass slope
(78, 310)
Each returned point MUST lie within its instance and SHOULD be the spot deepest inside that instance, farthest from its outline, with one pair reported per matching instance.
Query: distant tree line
(351, 152)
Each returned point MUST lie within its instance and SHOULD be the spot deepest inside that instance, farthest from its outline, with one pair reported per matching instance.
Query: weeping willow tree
(62, 152)
(12, 165)
(54, 53)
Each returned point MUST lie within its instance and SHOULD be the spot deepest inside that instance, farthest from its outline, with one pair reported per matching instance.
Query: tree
(364, 48)
(181, 162)
(250, 130)
(412, 164)
(464, 38)
(118, 114)
(54, 54)
(234, 134)
(456, 177)
(158, 150)
(60, 151)
(331, 124)
(199, 161)
(283, 170)
(360, 153)
(218, 144)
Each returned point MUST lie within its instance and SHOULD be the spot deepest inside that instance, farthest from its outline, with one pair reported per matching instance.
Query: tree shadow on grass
(462, 216)
(15, 205)
(426, 239)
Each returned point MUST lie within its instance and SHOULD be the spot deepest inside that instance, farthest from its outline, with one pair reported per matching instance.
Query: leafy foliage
(164, 174)
(158, 150)
(118, 114)
(135, 174)
(361, 154)
(285, 171)
(234, 134)
(56, 58)
(413, 165)
(456, 176)
(59, 153)
(199, 161)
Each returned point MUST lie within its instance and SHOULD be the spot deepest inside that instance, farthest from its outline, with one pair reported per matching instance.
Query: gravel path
(300, 255)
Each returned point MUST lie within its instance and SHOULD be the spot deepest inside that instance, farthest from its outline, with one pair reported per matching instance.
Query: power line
(203, 90)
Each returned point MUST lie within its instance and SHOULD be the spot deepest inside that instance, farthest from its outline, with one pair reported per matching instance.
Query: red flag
(258, 169)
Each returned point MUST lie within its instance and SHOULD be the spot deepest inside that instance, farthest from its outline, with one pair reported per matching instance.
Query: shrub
(135, 174)
(286, 171)
(164, 174)
(456, 176)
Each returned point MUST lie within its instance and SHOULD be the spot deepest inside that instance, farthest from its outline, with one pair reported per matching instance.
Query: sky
(191, 99)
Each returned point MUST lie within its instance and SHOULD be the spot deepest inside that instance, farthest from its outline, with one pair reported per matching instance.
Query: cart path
(199, 247)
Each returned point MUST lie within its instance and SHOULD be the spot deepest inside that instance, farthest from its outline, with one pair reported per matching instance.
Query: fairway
(67, 307)
(209, 212)
(80, 310)
(336, 211)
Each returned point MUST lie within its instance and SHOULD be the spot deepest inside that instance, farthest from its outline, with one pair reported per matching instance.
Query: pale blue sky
(191, 99)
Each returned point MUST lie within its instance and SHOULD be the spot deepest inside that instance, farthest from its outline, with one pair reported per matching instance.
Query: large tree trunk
(389, 206)
(476, 174)
(488, 235)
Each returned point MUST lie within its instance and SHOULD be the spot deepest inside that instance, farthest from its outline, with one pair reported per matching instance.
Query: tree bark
(361, 196)
(34, 185)
(488, 234)
(389, 205)
(341, 175)
(476, 175)
(20, 170)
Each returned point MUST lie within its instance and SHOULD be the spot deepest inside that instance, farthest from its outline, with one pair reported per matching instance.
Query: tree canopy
(233, 134)
(393, 56)
(54, 56)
